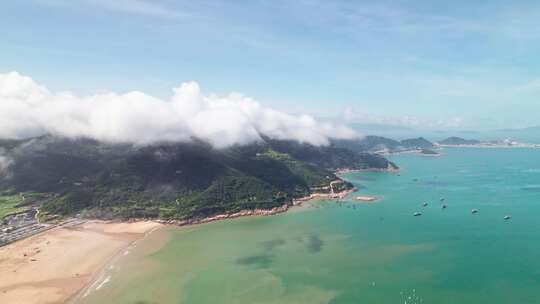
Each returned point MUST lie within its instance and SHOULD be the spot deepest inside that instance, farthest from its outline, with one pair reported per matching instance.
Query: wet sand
(53, 266)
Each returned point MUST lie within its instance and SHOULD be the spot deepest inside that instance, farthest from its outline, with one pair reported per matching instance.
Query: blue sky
(424, 64)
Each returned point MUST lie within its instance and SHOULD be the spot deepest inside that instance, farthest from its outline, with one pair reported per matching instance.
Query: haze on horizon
(411, 64)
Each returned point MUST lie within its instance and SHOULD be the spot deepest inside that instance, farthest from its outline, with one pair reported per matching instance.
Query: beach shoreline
(54, 266)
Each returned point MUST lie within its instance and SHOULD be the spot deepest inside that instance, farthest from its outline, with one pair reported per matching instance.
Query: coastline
(47, 267)
(281, 209)
(96, 278)
(53, 266)
(59, 264)
(260, 212)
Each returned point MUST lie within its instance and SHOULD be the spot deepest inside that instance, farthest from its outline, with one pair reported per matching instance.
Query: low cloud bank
(5, 162)
(28, 109)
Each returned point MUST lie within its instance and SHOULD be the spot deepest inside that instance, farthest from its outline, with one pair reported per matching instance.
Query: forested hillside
(170, 180)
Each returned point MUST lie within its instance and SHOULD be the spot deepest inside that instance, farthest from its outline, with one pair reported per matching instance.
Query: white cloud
(29, 109)
(5, 162)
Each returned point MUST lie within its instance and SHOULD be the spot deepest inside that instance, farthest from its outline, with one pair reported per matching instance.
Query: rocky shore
(259, 212)
(219, 217)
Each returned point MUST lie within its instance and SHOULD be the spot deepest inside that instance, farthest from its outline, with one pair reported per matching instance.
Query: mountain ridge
(171, 180)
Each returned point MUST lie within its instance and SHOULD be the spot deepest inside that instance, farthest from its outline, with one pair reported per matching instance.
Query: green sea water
(361, 253)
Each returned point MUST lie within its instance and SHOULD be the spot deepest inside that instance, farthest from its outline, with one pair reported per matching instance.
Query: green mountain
(170, 180)
(331, 157)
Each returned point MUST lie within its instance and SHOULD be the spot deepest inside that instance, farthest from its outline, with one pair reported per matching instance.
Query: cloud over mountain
(29, 109)
(5, 162)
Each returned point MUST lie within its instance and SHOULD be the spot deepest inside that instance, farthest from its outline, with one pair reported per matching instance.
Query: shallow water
(369, 253)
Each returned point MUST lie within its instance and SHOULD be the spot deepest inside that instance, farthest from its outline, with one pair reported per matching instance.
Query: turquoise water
(363, 253)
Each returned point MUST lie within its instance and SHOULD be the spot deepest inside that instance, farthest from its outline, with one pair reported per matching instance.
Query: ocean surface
(355, 252)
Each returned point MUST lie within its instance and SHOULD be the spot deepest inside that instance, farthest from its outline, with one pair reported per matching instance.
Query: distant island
(422, 146)
(382, 145)
(458, 141)
(505, 143)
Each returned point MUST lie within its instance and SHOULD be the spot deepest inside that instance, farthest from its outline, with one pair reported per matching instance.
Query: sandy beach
(53, 266)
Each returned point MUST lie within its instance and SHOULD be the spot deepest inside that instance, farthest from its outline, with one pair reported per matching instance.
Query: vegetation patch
(10, 204)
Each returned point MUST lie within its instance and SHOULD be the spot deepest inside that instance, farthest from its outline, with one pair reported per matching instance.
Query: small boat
(424, 204)
(442, 199)
(507, 217)
(473, 211)
(443, 206)
(417, 213)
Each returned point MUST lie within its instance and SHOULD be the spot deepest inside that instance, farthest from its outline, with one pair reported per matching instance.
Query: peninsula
(52, 180)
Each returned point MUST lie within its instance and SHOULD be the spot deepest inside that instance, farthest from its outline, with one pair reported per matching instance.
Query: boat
(442, 199)
(417, 213)
(443, 206)
(473, 211)
(425, 204)
(507, 217)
